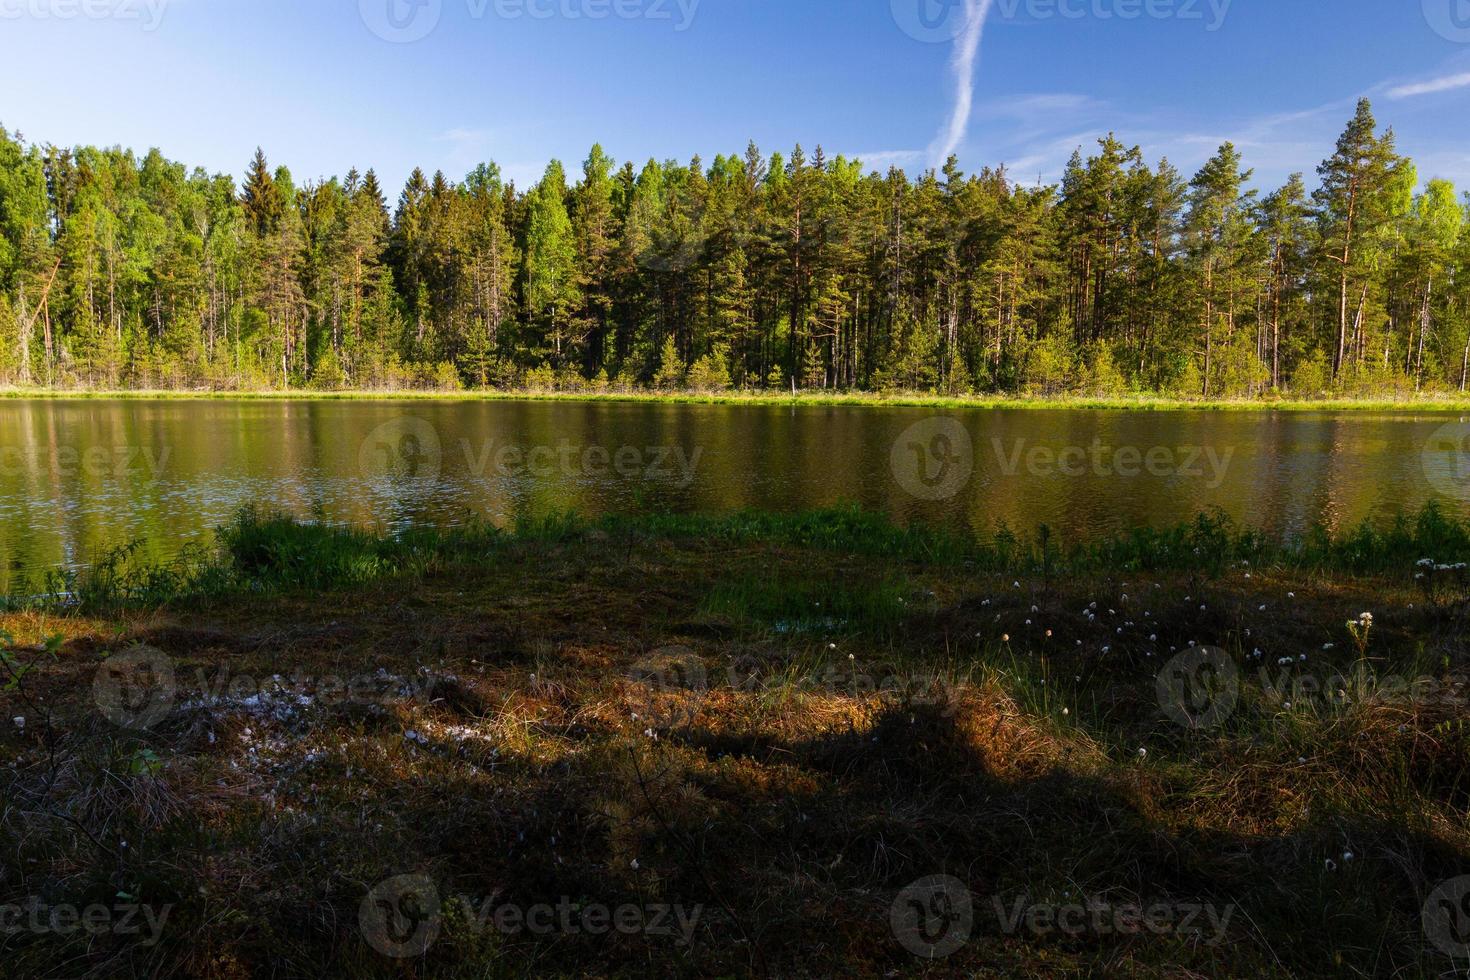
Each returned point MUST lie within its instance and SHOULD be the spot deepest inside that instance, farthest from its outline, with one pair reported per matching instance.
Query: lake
(80, 477)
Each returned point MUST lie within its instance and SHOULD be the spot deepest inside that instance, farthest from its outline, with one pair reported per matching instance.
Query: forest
(782, 271)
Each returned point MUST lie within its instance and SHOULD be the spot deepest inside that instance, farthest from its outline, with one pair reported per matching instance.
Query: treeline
(750, 272)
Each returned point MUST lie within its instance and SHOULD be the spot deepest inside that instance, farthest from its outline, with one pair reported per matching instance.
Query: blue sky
(522, 81)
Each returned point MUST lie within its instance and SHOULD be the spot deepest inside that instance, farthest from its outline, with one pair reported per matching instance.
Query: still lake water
(78, 478)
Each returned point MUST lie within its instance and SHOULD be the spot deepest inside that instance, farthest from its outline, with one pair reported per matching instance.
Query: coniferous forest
(751, 271)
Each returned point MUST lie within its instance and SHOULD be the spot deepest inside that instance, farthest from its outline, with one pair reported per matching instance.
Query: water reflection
(80, 477)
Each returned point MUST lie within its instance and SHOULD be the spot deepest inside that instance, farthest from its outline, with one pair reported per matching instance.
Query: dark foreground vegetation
(768, 727)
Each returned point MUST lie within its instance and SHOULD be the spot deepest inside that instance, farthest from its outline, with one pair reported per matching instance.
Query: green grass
(1132, 402)
(813, 605)
(261, 551)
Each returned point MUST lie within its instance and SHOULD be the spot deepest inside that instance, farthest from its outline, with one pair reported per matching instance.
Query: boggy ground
(742, 746)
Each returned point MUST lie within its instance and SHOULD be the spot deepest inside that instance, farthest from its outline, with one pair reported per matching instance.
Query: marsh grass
(1129, 402)
(877, 704)
(261, 550)
(811, 606)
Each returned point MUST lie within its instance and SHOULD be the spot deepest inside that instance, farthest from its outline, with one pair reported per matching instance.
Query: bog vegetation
(777, 723)
(754, 271)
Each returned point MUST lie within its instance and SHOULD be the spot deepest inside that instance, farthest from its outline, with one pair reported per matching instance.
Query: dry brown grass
(519, 750)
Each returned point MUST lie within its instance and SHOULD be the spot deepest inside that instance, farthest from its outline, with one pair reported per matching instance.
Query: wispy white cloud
(883, 159)
(962, 65)
(1446, 83)
(1275, 144)
(462, 148)
(464, 137)
(1030, 106)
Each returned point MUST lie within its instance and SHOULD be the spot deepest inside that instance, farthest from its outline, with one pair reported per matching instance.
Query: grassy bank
(815, 398)
(776, 728)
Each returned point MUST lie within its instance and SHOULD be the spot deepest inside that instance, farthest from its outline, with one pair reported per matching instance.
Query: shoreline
(1144, 403)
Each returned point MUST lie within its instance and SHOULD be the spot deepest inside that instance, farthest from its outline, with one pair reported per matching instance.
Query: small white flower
(1347, 855)
(1143, 753)
(19, 721)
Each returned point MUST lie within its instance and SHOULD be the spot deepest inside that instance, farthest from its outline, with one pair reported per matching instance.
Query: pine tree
(596, 235)
(1215, 230)
(261, 199)
(1283, 219)
(1349, 205)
